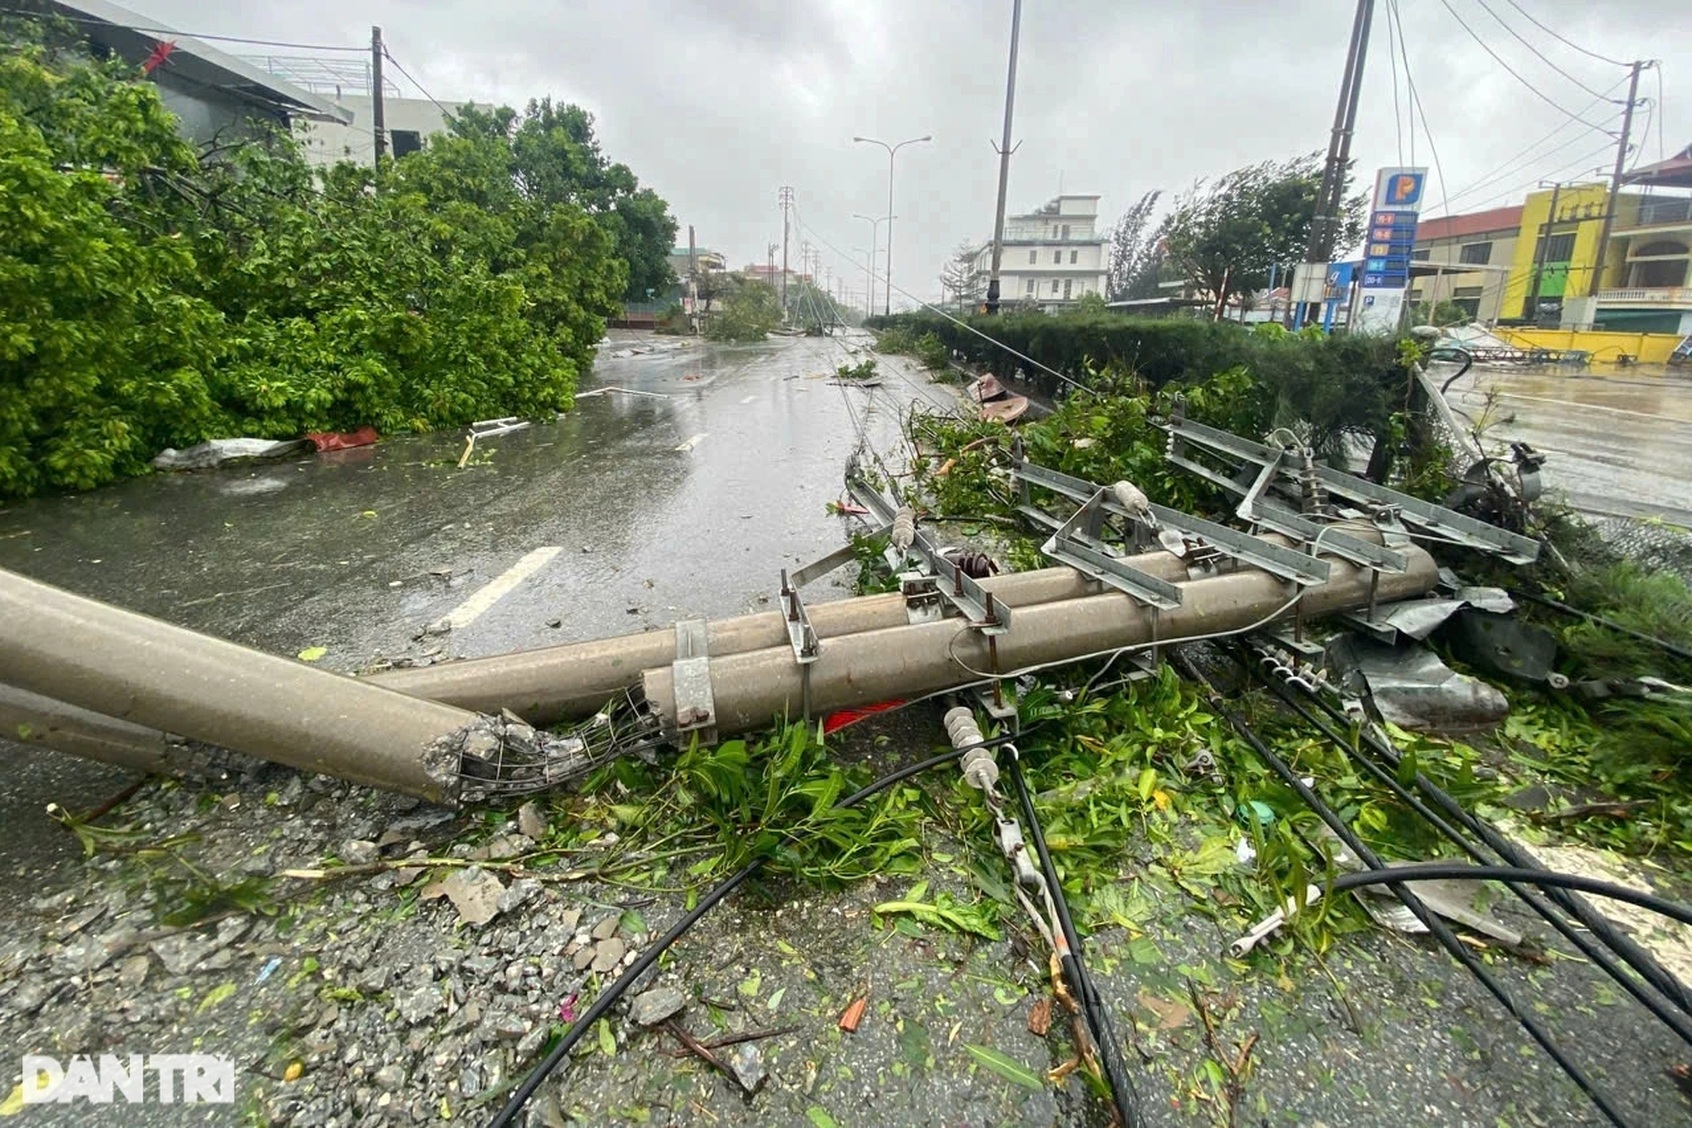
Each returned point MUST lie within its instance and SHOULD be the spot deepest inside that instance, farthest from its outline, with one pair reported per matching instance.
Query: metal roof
(133, 36)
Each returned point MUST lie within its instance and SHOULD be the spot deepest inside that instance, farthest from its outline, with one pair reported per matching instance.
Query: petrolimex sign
(1390, 239)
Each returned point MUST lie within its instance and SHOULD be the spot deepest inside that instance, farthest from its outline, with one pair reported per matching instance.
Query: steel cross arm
(1068, 546)
(1447, 523)
(1287, 563)
(985, 614)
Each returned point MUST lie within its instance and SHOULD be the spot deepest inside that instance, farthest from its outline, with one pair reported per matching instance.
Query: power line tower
(785, 197)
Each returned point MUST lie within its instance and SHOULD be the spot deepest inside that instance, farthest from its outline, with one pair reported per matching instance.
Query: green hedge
(1336, 384)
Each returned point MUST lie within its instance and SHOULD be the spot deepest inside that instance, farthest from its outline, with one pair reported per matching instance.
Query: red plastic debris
(834, 722)
(342, 440)
(161, 51)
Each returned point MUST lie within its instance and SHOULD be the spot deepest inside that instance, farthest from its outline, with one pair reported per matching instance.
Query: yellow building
(1556, 252)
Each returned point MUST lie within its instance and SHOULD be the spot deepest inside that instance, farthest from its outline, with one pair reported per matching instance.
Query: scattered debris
(224, 452)
(653, 1006)
(1414, 690)
(342, 440)
(474, 892)
(854, 1014)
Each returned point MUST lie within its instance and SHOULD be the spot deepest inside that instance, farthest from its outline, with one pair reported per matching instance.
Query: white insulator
(980, 770)
(1133, 499)
(904, 529)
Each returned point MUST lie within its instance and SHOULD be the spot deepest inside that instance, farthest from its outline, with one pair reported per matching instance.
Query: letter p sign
(1404, 189)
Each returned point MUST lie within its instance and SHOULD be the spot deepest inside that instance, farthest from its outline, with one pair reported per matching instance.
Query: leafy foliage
(1136, 252)
(1226, 235)
(153, 296)
(749, 314)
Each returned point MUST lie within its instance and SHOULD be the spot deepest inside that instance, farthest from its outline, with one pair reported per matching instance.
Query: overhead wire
(386, 54)
(1536, 51)
(1581, 163)
(1511, 71)
(1397, 124)
(1563, 40)
(1532, 151)
(1416, 103)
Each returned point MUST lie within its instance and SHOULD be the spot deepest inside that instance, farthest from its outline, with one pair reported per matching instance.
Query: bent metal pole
(149, 673)
(749, 690)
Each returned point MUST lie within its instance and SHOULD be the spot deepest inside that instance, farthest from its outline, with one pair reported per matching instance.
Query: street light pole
(875, 236)
(892, 150)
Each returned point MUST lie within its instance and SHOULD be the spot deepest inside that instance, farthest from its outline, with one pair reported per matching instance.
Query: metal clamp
(1068, 546)
(985, 614)
(800, 633)
(696, 708)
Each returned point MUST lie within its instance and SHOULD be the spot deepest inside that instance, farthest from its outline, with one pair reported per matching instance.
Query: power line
(1416, 104)
(1517, 167)
(90, 21)
(1553, 175)
(1662, 151)
(1537, 92)
(450, 116)
(1528, 152)
(1564, 41)
(1537, 52)
(1394, 47)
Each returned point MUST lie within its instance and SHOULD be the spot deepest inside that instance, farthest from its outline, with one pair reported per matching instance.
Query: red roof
(1676, 172)
(1475, 223)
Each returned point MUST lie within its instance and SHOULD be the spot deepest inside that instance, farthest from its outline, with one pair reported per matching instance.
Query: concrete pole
(378, 126)
(751, 690)
(149, 673)
(1004, 163)
(30, 718)
(1612, 201)
(1325, 223)
(577, 679)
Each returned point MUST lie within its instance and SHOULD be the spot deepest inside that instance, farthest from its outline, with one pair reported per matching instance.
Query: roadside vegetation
(234, 290)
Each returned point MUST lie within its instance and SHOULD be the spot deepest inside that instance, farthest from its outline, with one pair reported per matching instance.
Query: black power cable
(1609, 624)
(1122, 1090)
(611, 994)
(1459, 871)
(1601, 928)
(1435, 926)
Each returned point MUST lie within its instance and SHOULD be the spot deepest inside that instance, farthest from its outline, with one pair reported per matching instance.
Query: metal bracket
(923, 603)
(799, 630)
(1066, 545)
(696, 708)
(1436, 519)
(1289, 564)
(984, 613)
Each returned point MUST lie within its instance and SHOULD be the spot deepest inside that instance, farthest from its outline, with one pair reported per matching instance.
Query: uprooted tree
(238, 291)
(1136, 252)
(1226, 235)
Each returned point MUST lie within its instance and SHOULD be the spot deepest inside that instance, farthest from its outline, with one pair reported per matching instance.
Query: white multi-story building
(1052, 257)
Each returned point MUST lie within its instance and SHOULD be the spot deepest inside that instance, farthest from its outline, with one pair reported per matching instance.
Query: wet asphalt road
(1618, 441)
(683, 502)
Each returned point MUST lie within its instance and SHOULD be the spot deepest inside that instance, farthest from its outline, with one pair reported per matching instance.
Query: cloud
(716, 105)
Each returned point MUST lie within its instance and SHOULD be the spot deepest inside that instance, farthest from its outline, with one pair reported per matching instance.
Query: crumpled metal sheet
(1419, 618)
(1413, 689)
(1453, 900)
(220, 452)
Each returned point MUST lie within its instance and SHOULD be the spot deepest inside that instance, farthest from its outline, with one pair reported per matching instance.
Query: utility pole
(1004, 163)
(786, 198)
(1615, 184)
(769, 262)
(693, 278)
(1530, 310)
(1324, 225)
(378, 126)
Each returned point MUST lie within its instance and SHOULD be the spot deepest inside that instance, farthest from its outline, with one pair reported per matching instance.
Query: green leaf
(1008, 1068)
(820, 1117)
(312, 653)
(607, 1039)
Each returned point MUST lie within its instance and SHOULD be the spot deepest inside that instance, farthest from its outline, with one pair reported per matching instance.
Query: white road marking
(693, 442)
(488, 595)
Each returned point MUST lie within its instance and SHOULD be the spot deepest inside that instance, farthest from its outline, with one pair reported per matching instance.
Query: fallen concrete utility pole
(30, 718)
(749, 690)
(573, 680)
(146, 672)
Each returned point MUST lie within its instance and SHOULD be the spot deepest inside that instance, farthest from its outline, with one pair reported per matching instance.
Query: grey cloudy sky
(717, 104)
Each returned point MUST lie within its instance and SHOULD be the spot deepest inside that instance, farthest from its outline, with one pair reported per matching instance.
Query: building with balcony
(1647, 284)
(1051, 258)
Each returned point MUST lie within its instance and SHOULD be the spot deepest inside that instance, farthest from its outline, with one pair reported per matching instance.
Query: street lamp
(891, 150)
(875, 228)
